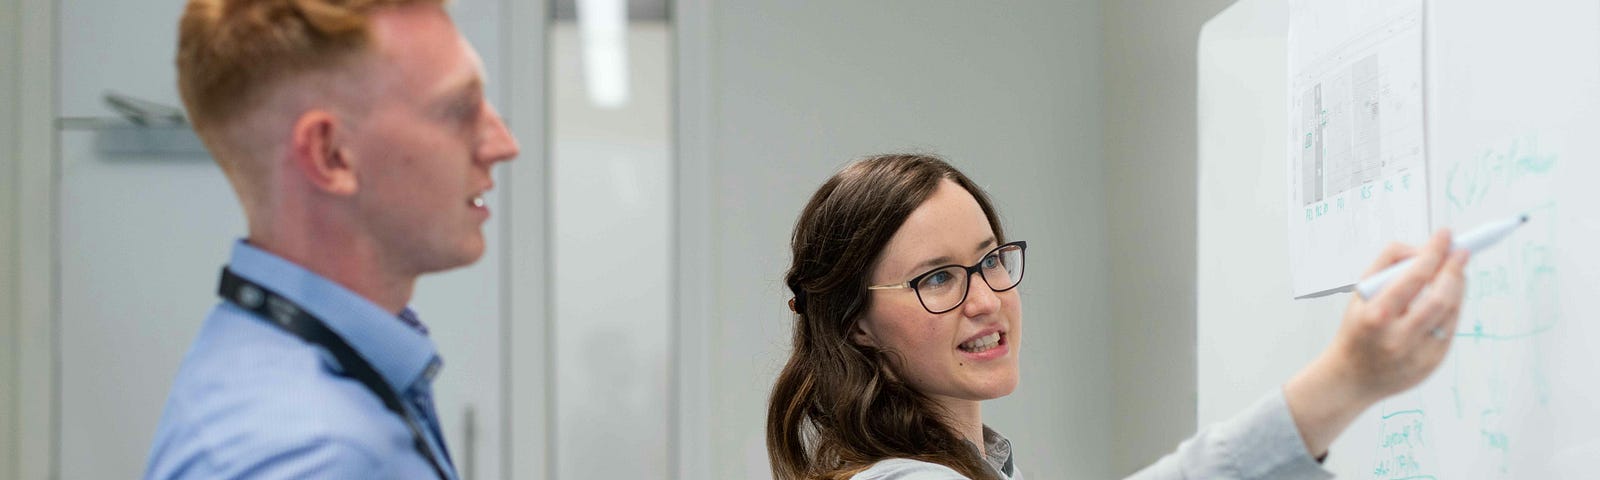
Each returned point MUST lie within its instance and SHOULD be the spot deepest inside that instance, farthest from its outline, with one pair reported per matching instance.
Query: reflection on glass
(611, 211)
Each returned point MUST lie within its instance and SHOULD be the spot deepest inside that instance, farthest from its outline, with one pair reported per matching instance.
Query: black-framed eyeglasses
(944, 288)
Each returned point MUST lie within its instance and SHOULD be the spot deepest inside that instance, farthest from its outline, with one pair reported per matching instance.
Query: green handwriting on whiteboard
(1401, 435)
(1469, 182)
(1498, 376)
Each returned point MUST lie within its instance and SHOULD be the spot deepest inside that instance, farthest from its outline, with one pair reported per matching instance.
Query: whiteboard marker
(1473, 242)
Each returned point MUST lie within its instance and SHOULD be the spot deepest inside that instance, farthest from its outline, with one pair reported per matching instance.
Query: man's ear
(861, 334)
(319, 153)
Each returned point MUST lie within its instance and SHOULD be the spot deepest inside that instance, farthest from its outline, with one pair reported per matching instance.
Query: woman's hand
(1385, 345)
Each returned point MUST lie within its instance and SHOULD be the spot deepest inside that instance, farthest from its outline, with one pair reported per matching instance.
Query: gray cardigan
(1261, 442)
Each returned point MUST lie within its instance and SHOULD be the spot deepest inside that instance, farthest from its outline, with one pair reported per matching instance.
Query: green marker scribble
(1533, 161)
(1469, 182)
(1404, 412)
(1479, 333)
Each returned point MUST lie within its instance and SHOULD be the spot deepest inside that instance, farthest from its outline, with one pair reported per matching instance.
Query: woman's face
(944, 355)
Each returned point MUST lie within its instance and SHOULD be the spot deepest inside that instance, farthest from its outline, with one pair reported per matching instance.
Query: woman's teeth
(477, 201)
(983, 343)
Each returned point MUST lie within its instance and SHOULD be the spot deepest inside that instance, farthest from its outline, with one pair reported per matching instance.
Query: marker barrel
(1474, 241)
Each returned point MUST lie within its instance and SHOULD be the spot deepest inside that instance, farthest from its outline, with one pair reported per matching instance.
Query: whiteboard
(1513, 93)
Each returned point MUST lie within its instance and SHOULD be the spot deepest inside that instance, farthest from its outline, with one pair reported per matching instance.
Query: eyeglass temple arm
(886, 287)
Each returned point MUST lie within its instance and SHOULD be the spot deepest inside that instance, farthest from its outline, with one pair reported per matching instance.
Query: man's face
(426, 143)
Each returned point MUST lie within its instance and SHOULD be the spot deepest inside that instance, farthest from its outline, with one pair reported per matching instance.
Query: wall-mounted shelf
(116, 135)
(144, 128)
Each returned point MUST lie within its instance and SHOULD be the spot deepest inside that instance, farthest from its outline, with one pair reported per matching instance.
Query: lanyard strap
(285, 314)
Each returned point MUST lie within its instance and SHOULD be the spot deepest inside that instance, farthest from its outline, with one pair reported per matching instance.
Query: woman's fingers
(1390, 339)
(1390, 255)
(1445, 292)
(1398, 295)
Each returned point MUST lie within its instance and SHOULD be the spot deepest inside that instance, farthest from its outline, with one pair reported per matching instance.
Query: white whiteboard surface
(1513, 111)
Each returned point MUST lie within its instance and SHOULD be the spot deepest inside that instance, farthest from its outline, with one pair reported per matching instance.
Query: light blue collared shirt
(254, 401)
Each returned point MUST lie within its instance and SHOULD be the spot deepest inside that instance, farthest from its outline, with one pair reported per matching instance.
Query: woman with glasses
(907, 317)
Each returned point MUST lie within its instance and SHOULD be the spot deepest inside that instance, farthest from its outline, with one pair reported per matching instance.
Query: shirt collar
(997, 451)
(401, 354)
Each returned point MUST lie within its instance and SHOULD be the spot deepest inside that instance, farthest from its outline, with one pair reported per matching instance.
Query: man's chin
(463, 256)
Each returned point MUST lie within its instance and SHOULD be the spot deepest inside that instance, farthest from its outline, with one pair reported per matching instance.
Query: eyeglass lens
(944, 289)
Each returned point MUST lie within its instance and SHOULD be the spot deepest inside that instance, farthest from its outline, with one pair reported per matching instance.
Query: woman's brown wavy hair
(836, 409)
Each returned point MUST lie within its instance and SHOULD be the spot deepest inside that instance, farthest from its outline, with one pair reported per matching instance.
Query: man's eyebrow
(458, 88)
(471, 87)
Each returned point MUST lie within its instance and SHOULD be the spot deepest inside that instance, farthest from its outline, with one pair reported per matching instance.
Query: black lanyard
(285, 314)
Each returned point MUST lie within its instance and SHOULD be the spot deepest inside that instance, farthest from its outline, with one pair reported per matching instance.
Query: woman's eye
(991, 261)
(937, 279)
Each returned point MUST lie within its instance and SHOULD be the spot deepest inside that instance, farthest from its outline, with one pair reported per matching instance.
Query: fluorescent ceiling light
(603, 29)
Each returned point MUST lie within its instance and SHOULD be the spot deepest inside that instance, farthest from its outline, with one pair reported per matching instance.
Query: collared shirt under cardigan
(252, 400)
(1260, 443)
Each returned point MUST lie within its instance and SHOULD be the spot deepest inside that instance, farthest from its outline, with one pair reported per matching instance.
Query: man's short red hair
(232, 52)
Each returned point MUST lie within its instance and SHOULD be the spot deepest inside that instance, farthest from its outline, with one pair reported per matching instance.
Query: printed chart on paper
(1357, 159)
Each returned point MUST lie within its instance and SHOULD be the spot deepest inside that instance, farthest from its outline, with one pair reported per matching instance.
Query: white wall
(1008, 92)
(1149, 60)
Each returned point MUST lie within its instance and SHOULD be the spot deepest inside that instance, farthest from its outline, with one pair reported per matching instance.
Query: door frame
(34, 433)
(10, 60)
(9, 51)
(529, 396)
(693, 26)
